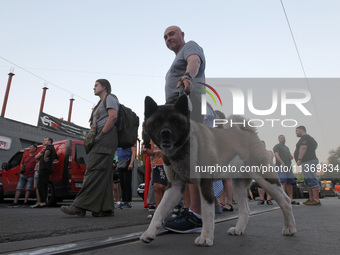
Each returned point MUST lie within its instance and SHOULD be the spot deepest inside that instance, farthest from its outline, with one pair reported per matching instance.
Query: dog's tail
(237, 121)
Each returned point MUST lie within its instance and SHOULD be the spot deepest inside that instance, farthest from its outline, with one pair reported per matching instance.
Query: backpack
(127, 126)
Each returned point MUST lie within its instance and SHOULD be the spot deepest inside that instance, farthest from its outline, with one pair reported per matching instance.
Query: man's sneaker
(35, 205)
(177, 210)
(13, 205)
(72, 210)
(152, 208)
(24, 205)
(117, 205)
(125, 206)
(150, 215)
(185, 223)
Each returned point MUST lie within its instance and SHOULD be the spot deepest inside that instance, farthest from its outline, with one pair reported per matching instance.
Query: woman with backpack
(96, 194)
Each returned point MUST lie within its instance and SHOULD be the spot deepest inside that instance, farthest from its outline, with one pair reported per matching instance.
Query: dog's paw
(234, 232)
(203, 241)
(147, 237)
(286, 231)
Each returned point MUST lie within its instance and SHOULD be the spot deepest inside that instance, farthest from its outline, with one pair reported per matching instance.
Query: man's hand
(186, 82)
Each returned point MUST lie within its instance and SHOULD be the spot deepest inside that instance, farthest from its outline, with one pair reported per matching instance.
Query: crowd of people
(96, 195)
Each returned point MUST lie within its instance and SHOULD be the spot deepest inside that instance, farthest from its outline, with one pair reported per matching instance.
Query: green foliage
(333, 162)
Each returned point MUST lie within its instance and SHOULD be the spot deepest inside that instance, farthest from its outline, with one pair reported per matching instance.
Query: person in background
(337, 190)
(116, 183)
(45, 169)
(305, 157)
(227, 192)
(146, 151)
(126, 158)
(262, 192)
(226, 184)
(26, 177)
(159, 179)
(284, 162)
(36, 178)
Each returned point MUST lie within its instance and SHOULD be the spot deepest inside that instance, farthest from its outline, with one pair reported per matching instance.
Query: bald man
(184, 75)
(186, 71)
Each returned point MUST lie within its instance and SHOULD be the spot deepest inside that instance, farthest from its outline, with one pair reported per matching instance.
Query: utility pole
(42, 102)
(10, 75)
(70, 109)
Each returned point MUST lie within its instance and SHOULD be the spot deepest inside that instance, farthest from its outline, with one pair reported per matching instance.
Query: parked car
(328, 188)
(66, 179)
(140, 190)
(305, 193)
(297, 192)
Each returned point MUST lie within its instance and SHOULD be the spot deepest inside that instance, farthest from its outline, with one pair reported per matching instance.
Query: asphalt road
(29, 224)
(318, 233)
(35, 230)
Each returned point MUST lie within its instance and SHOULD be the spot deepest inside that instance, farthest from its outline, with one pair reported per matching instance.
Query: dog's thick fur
(186, 143)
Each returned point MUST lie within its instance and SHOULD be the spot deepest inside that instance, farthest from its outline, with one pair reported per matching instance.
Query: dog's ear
(181, 105)
(150, 107)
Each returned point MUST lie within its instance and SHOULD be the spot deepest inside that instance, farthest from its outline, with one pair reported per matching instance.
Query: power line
(296, 48)
(71, 71)
(303, 68)
(43, 79)
(93, 72)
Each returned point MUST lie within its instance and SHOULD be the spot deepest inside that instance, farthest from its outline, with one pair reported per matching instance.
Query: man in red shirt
(337, 190)
(27, 177)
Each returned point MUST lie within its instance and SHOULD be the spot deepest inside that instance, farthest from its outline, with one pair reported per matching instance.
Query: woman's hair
(105, 83)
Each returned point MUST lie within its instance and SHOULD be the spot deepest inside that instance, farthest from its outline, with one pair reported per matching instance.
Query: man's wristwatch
(190, 75)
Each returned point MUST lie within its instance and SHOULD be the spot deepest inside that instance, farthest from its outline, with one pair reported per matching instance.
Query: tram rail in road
(92, 245)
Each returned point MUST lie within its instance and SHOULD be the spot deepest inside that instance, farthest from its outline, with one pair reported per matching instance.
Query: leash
(182, 92)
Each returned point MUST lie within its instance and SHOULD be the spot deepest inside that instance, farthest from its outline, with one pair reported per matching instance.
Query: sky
(67, 45)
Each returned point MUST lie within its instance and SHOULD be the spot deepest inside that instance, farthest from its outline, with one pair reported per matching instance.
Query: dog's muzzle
(166, 138)
(166, 133)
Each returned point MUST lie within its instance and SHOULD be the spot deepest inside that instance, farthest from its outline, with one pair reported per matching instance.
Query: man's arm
(133, 155)
(302, 152)
(194, 63)
(46, 155)
(146, 151)
(149, 152)
(278, 158)
(21, 165)
(110, 120)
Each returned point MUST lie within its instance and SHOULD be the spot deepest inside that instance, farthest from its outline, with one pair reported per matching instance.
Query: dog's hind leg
(274, 188)
(170, 199)
(208, 213)
(240, 193)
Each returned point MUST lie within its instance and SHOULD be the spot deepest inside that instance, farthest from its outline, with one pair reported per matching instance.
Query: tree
(333, 170)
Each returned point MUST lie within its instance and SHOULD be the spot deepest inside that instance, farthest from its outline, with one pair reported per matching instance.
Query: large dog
(186, 143)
